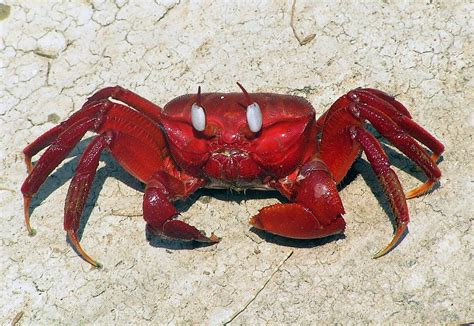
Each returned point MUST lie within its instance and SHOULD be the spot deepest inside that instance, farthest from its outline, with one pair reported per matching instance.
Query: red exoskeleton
(239, 141)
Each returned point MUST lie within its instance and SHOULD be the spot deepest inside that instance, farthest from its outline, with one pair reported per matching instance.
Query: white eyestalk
(254, 117)
(198, 117)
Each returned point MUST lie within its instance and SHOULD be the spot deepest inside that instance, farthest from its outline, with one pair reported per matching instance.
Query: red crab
(239, 141)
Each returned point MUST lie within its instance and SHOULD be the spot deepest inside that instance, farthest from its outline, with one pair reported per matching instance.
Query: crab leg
(61, 140)
(423, 136)
(402, 141)
(99, 117)
(130, 98)
(41, 142)
(343, 137)
(399, 114)
(381, 100)
(160, 213)
(389, 117)
(124, 148)
(389, 180)
(134, 140)
(50, 160)
(79, 190)
(91, 107)
(316, 212)
(127, 149)
(87, 111)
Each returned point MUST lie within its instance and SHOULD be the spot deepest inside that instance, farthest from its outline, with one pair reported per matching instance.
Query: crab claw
(399, 232)
(161, 214)
(316, 212)
(294, 221)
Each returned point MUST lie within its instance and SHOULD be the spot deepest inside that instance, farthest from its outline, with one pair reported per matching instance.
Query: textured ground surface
(53, 56)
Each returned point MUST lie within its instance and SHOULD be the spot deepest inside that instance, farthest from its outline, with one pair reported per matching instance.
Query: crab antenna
(198, 97)
(245, 93)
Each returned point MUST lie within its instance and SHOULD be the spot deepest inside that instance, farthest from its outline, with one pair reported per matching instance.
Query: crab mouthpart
(228, 152)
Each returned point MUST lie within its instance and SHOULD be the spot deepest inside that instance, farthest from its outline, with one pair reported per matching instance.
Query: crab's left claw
(316, 212)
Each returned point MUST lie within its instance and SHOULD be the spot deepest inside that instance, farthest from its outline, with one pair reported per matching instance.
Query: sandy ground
(52, 56)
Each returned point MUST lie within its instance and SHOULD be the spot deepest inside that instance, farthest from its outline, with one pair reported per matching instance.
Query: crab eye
(198, 117)
(254, 117)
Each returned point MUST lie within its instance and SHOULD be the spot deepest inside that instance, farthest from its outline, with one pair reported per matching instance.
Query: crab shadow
(112, 169)
(296, 243)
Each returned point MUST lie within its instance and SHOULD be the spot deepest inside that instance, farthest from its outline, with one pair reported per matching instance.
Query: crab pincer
(315, 213)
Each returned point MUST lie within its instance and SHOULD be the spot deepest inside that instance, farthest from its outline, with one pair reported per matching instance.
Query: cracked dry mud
(54, 55)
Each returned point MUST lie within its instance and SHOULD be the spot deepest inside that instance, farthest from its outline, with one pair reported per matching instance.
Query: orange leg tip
(75, 243)
(420, 190)
(396, 238)
(29, 165)
(31, 231)
(214, 238)
(26, 207)
(435, 157)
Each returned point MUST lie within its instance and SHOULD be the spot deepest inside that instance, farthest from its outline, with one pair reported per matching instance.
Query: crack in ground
(235, 315)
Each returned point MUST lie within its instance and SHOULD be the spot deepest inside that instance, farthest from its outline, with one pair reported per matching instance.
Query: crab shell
(227, 151)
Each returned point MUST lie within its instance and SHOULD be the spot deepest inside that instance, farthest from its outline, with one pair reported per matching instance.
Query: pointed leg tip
(92, 262)
(396, 238)
(77, 246)
(380, 253)
(212, 239)
(412, 194)
(416, 192)
(435, 157)
(31, 232)
(420, 190)
(26, 203)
